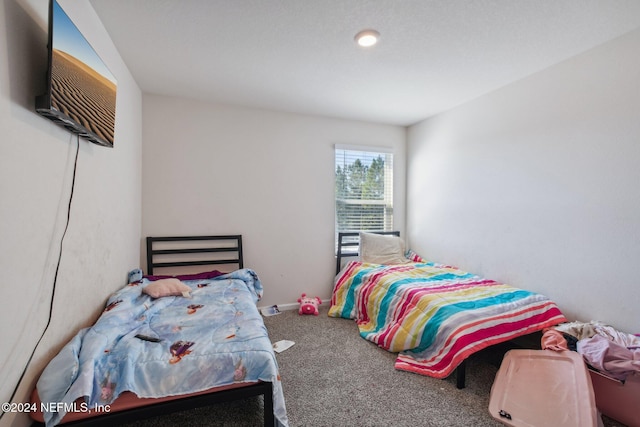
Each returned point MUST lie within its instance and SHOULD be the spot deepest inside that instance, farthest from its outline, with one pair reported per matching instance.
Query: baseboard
(294, 305)
(291, 306)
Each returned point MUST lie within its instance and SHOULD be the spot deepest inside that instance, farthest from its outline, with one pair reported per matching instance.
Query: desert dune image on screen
(81, 85)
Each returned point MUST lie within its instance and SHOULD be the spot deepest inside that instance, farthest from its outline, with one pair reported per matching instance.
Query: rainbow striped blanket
(435, 315)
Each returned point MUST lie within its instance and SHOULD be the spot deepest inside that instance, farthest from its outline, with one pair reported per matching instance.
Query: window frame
(387, 201)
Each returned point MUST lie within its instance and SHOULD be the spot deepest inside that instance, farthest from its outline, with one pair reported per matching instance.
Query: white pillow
(166, 287)
(382, 249)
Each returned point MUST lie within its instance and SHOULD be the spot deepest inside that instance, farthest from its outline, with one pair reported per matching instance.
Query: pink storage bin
(536, 388)
(617, 400)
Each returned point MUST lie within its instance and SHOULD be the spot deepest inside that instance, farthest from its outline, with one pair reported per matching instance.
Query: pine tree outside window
(364, 189)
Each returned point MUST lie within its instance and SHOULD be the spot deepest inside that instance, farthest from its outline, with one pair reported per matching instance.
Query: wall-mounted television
(81, 91)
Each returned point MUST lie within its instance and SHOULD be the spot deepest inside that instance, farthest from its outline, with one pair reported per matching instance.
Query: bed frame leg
(269, 418)
(461, 374)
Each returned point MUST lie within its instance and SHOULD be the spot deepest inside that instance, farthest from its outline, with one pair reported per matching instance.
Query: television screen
(81, 91)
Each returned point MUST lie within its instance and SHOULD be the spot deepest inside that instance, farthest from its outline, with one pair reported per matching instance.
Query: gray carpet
(332, 377)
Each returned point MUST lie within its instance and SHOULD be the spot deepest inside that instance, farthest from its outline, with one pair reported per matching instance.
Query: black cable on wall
(55, 277)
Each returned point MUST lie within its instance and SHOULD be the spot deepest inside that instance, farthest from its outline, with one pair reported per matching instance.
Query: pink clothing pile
(553, 340)
(612, 352)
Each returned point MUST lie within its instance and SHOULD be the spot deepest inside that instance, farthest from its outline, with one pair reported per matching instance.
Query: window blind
(364, 190)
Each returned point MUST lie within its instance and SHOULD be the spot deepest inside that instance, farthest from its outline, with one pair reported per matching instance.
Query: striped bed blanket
(434, 315)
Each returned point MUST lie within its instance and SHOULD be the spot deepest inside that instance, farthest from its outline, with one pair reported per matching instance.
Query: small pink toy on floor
(309, 305)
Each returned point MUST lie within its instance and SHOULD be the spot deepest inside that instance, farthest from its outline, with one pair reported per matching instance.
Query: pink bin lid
(543, 388)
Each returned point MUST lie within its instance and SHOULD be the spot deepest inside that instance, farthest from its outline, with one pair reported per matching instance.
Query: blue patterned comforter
(216, 337)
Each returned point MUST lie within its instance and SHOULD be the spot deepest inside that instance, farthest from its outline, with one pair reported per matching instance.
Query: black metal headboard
(184, 251)
(352, 240)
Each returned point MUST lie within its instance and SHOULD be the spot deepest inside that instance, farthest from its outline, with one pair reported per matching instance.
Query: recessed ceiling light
(367, 38)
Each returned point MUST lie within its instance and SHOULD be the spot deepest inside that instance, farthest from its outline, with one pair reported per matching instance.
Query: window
(364, 189)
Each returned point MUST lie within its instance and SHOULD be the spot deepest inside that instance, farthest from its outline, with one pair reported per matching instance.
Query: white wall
(538, 184)
(36, 166)
(212, 169)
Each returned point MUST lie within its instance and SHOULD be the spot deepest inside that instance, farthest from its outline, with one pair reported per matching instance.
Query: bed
(167, 343)
(433, 315)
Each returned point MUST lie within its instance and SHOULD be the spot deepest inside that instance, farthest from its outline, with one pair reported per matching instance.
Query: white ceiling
(300, 56)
